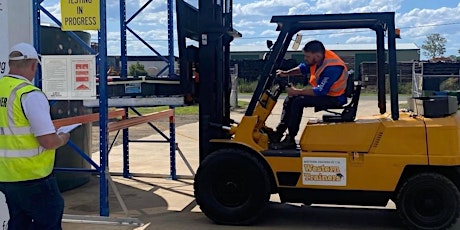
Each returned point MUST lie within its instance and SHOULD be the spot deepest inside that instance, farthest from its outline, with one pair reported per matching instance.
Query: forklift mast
(290, 25)
(211, 26)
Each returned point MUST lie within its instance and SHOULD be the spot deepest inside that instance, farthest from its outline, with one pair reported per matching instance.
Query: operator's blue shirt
(327, 78)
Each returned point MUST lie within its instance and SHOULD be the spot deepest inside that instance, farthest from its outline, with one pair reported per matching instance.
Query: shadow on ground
(167, 204)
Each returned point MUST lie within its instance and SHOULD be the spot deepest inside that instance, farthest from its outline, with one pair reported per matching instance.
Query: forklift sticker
(324, 171)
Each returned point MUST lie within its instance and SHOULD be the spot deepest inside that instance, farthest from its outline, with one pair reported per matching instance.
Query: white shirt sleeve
(37, 110)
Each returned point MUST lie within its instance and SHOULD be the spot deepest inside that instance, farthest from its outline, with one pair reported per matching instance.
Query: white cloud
(355, 6)
(245, 23)
(270, 33)
(301, 8)
(360, 39)
(418, 23)
(422, 18)
(247, 32)
(265, 7)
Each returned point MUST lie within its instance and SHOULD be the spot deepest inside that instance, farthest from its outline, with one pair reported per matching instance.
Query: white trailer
(16, 25)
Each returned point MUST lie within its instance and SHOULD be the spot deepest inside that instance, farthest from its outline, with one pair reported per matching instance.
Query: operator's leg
(295, 116)
(275, 137)
(299, 104)
(285, 114)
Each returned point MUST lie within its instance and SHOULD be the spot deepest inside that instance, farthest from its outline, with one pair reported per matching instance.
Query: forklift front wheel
(232, 187)
(429, 201)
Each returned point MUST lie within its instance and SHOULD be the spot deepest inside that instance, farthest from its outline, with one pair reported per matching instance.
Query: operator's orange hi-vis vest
(330, 59)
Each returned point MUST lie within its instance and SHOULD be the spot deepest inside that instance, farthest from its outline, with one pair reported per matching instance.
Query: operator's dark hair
(314, 46)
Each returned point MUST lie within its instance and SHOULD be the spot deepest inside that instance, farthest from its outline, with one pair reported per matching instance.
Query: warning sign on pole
(80, 15)
(70, 77)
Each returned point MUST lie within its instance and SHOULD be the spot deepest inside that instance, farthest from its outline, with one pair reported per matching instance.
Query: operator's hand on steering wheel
(281, 73)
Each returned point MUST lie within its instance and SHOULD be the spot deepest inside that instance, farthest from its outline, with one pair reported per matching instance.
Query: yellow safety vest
(21, 156)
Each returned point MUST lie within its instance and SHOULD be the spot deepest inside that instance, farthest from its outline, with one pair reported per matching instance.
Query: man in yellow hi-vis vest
(28, 141)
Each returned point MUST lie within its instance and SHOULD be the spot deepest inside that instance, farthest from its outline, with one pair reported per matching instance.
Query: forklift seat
(349, 110)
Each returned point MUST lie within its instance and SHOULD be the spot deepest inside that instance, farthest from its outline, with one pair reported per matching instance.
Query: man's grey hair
(20, 63)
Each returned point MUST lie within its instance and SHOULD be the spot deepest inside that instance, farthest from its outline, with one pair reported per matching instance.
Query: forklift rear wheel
(232, 187)
(428, 201)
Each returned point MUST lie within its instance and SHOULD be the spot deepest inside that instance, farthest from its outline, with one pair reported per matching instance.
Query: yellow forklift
(411, 157)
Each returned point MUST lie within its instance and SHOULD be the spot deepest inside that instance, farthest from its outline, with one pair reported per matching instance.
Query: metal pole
(171, 37)
(123, 49)
(172, 145)
(126, 149)
(392, 71)
(37, 34)
(103, 112)
(381, 70)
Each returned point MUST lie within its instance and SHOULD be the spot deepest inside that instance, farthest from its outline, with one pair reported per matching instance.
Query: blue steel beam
(123, 49)
(126, 173)
(147, 44)
(139, 11)
(103, 112)
(83, 154)
(75, 170)
(172, 145)
(37, 35)
(164, 68)
(124, 27)
(150, 124)
(170, 37)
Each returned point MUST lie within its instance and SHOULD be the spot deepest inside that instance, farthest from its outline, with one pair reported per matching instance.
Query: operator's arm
(301, 69)
(330, 75)
(37, 111)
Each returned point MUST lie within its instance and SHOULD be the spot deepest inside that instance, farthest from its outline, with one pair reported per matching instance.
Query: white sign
(324, 171)
(4, 44)
(71, 77)
(4, 213)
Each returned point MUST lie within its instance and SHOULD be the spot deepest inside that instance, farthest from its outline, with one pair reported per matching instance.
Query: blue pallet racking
(104, 102)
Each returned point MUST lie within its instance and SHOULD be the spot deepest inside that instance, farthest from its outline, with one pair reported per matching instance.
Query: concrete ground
(165, 204)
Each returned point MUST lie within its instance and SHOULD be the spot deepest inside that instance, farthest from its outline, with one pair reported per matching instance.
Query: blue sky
(416, 18)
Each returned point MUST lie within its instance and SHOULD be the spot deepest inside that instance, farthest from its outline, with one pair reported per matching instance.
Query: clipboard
(67, 128)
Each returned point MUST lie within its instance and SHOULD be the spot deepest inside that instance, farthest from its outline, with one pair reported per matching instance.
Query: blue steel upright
(123, 49)
(126, 173)
(124, 75)
(37, 35)
(103, 112)
(171, 37)
(172, 144)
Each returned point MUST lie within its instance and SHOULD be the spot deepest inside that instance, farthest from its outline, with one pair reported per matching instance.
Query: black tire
(232, 187)
(428, 201)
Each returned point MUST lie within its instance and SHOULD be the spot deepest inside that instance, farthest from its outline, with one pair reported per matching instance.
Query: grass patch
(403, 105)
(242, 104)
(183, 110)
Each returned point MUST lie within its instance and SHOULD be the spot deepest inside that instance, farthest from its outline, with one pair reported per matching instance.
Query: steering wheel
(282, 83)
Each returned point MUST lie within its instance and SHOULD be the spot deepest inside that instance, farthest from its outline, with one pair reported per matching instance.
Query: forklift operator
(328, 78)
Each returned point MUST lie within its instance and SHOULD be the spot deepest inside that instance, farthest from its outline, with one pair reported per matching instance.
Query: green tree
(137, 70)
(434, 45)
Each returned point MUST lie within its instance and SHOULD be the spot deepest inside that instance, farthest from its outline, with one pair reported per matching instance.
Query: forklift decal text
(324, 171)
